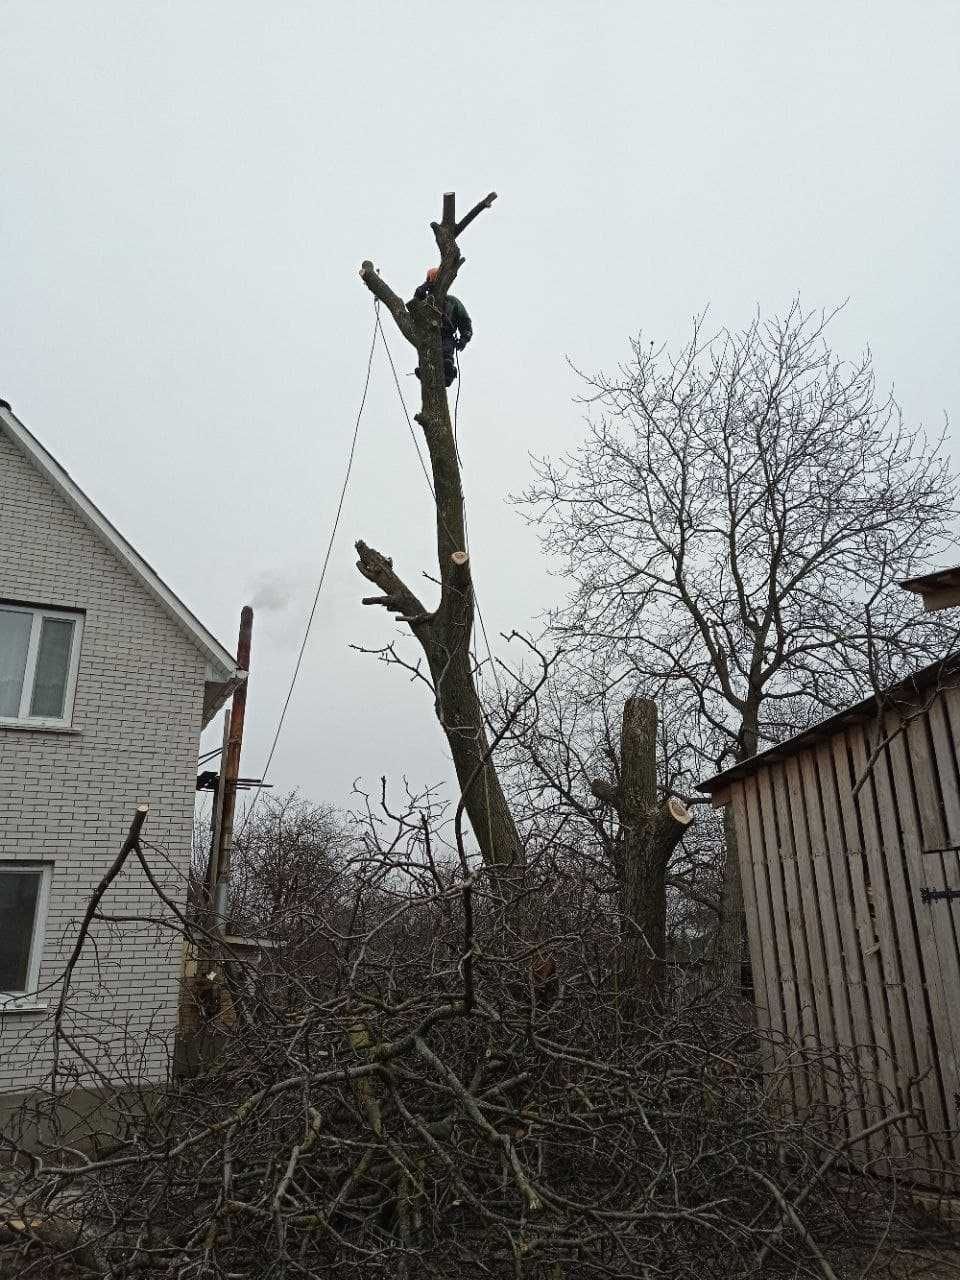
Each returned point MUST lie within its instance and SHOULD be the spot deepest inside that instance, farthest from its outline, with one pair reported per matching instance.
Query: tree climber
(455, 327)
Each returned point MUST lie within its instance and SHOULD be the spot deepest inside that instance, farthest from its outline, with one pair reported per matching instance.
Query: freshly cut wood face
(679, 811)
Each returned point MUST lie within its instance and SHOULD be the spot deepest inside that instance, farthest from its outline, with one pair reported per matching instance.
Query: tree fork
(445, 632)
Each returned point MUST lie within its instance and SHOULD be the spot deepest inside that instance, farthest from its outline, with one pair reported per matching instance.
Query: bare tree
(735, 524)
(444, 632)
(287, 854)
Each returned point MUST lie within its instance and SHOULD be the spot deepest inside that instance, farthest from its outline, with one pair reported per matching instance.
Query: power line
(323, 570)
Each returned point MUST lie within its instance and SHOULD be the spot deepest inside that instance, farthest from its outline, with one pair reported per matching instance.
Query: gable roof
(222, 674)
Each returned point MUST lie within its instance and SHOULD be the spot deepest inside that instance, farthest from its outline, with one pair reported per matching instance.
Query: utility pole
(216, 815)
(218, 879)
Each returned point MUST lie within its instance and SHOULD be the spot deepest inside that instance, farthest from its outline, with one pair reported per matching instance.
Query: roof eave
(938, 590)
(947, 669)
(221, 664)
(217, 692)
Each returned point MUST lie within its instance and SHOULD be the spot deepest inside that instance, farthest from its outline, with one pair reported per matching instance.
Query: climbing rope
(416, 444)
(466, 534)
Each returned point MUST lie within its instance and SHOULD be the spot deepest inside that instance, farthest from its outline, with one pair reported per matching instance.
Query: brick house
(106, 680)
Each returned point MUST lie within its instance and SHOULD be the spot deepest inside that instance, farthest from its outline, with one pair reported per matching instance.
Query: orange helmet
(432, 273)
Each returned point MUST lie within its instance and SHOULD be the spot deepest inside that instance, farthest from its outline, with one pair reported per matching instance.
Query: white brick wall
(68, 798)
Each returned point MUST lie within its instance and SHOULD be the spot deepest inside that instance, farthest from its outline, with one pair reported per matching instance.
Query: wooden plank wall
(856, 968)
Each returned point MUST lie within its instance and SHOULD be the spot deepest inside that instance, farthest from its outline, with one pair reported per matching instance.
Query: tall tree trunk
(731, 957)
(729, 951)
(649, 833)
(445, 632)
(644, 906)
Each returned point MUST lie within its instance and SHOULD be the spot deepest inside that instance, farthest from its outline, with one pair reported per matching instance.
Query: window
(23, 903)
(39, 653)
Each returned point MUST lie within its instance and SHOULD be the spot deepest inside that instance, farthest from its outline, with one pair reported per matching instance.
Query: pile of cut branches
(443, 1083)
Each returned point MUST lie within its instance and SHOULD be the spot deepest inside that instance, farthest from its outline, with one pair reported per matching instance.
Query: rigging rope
(403, 406)
(377, 331)
(323, 572)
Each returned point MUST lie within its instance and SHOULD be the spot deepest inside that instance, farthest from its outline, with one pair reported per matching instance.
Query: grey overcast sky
(189, 187)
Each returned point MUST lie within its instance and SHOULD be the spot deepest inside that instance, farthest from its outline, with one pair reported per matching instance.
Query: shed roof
(223, 674)
(945, 671)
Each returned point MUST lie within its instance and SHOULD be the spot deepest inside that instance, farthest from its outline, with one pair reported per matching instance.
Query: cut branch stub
(668, 827)
(607, 792)
(459, 570)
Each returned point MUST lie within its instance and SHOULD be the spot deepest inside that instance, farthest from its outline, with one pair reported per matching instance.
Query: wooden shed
(848, 839)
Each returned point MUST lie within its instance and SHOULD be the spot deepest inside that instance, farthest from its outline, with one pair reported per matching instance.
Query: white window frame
(11, 1001)
(24, 719)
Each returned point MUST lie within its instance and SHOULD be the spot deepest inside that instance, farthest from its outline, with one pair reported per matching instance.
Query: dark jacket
(455, 329)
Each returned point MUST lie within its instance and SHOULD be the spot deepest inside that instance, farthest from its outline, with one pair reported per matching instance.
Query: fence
(849, 849)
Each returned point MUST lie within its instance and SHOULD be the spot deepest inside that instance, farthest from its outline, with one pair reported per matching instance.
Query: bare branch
(394, 304)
